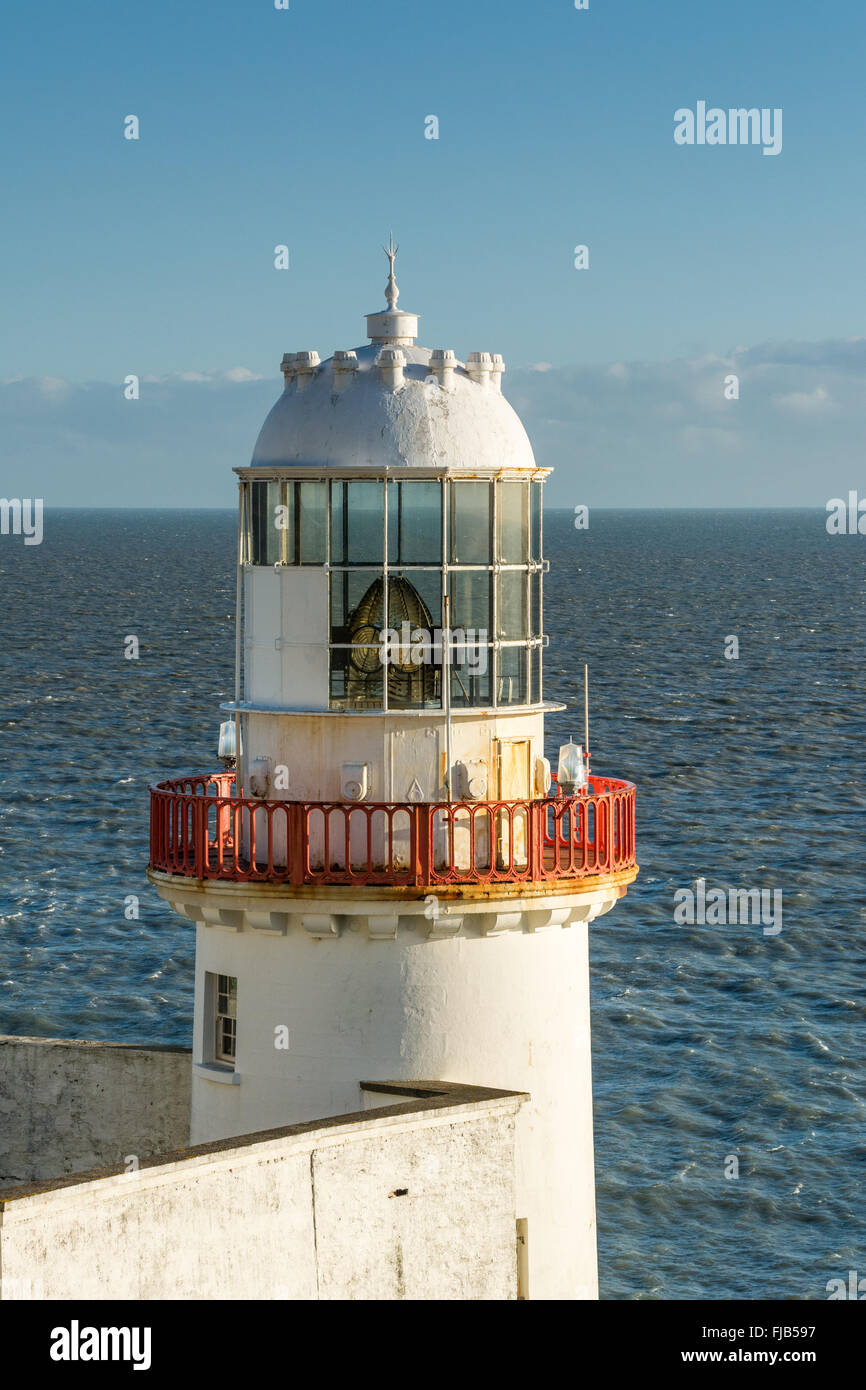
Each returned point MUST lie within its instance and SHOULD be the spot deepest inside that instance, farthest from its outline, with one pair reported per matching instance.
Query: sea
(729, 1060)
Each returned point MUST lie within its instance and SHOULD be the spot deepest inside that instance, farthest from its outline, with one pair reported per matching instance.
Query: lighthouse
(388, 880)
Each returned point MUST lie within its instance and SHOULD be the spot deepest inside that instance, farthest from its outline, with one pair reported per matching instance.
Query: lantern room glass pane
(512, 683)
(415, 597)
(414, 643)
(470, 601)
(265, 538)
(356, 618)
(284, 523)
(535, 604)
(365, 645)
(471, 674)
(414, 523)
(513, 523)
(313, 522)
(512, 620)
(357, 523)
(357, 683)
(470, 523)
(535, 521)
(365, 509)
(347, 590)
(337, 556)
(535, 684)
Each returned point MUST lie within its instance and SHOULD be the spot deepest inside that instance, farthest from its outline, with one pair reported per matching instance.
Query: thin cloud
(625, 433)
(805, 402)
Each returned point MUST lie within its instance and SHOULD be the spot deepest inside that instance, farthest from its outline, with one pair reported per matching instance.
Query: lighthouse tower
(390, 884)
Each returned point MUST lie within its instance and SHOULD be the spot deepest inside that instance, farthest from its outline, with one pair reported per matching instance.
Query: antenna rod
(446, 677)
(586, 709)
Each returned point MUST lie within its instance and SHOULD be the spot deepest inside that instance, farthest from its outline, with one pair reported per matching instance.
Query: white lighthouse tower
(392, 886)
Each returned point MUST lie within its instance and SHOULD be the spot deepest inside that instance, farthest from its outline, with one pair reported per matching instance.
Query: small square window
(225, 1017)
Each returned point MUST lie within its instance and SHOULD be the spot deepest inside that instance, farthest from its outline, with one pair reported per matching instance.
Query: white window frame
(223, 990)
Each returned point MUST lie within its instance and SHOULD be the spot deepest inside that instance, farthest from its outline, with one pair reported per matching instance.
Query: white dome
(381, 417)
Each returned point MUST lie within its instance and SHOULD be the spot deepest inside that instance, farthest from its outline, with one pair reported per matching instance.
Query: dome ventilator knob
(442, 364)
(345, 366)
(479, 366)
(391, 362)
(306, 365)
(287, 367)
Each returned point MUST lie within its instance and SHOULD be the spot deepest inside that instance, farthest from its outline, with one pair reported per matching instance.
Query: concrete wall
(413, 1200)
(69, 1106)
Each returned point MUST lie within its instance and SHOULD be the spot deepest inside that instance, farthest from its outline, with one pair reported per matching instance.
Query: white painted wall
(399, 748)
(508, 1010)
(287, 1216)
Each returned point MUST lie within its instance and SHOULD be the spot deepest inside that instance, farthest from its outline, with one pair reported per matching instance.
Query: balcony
(204, 828)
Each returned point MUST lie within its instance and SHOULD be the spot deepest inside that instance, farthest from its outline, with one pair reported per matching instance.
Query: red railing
(201, 828)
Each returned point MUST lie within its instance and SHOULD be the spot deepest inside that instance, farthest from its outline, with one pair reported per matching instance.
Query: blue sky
(306, 127)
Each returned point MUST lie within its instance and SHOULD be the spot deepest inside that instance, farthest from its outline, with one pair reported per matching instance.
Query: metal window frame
(340, 570)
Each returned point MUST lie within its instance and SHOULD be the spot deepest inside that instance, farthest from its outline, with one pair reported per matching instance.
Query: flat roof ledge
(425, 1104)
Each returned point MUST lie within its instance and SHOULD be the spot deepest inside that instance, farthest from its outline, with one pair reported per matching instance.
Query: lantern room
(361, 557)
(390, 566)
